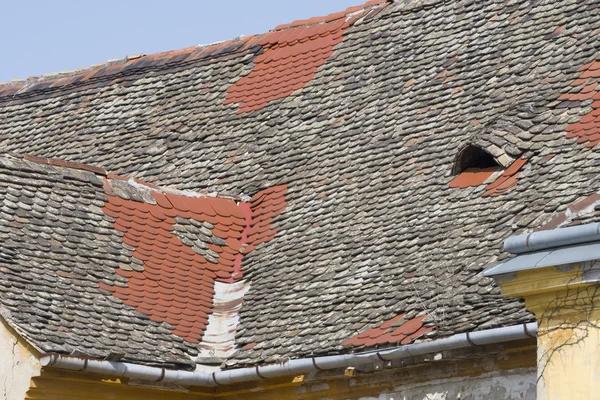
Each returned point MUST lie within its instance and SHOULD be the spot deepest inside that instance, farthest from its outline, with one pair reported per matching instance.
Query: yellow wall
(570, 361)
(18, 364)
(567, 308)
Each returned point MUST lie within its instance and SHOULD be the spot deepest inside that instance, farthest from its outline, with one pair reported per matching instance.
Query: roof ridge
(115, 61)
(409, 6)
(108, 63)
(62, 163)
(123, 66)
(138, 62)
(348, 12)
(65, 73)
(132, 181)
(136, 183)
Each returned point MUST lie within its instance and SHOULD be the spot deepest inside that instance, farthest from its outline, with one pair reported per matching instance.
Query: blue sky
(42, 36)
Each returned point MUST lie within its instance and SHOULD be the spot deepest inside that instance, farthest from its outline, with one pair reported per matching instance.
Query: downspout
(291, 367)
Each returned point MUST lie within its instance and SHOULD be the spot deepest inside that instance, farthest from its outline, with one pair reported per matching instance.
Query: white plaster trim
(219, 338)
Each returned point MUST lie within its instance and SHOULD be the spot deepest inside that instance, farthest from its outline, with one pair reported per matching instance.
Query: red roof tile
(508, 179)
(472, 177)
(395, 330)
(292, 54)
(176, 280)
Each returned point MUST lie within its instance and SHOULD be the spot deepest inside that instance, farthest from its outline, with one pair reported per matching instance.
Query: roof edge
(130, 64)
(98, 171)
(290, 367)
(5, 318)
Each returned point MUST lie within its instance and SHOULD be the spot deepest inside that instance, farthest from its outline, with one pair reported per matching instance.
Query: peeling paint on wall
(17, 365)
(506, 385)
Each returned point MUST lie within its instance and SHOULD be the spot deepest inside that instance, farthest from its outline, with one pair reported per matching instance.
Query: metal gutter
(291, 367)
(551, 239)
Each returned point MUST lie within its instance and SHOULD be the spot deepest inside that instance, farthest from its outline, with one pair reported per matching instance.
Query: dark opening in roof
(473, 167)
(473, 157)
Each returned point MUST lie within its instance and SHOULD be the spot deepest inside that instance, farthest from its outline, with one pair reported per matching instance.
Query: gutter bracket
(314, 363)
(258, 373)
(471, 342)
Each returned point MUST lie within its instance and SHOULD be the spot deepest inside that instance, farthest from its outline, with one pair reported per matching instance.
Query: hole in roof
(473, 157)
(473, 167)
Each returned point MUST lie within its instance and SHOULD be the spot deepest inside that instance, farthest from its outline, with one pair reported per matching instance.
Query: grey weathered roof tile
(366, 148)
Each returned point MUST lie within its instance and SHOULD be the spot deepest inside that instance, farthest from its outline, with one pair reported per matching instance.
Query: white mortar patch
(218, 341)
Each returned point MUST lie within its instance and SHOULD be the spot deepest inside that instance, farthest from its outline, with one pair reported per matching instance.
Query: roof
(120, 267)
(362, 123)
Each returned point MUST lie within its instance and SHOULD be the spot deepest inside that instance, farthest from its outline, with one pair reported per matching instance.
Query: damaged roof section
(181, 246)
(99, 264)
(398, 330)
(291, 55)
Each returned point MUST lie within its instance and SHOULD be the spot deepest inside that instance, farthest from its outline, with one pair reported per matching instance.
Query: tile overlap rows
(291, 55)
(58, 249)
(157, 252)
(371, 229)
(396, 330)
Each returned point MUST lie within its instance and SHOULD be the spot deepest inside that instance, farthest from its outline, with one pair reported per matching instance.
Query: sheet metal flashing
(549, 248)
(551, 239)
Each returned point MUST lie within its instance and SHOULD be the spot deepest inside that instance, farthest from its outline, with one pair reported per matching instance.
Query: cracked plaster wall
(17, 365)
(505, 385)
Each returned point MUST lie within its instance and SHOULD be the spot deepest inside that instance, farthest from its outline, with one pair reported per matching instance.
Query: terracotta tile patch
(587, 129)
(507, 180)
(176, 279)
(472, 177)
(395, 330)
(291, 55)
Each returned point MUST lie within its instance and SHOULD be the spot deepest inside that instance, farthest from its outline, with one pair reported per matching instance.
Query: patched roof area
(345, 132)
(97, 264)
